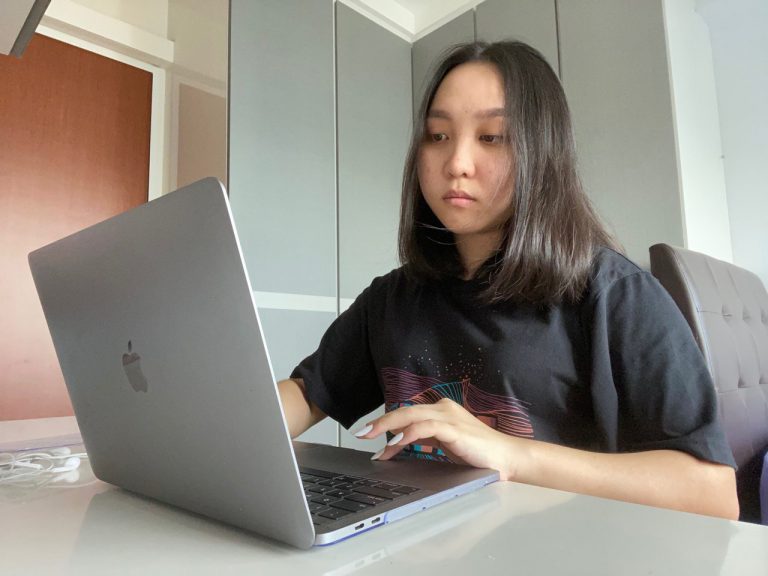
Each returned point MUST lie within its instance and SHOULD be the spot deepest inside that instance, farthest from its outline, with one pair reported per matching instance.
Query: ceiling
(412, 19)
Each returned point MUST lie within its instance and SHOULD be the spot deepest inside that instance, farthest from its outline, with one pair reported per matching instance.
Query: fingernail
(364, 431)
(395, 439)
(378, 454)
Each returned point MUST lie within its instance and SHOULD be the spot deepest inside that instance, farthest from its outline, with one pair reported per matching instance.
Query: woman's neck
(475, 249)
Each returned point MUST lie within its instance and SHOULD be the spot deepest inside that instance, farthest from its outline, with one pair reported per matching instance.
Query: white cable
(27, 464)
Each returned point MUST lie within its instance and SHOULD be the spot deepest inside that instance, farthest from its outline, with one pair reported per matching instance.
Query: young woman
(515, 336)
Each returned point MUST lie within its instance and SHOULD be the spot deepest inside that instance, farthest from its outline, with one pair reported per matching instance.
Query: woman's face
(463, 161)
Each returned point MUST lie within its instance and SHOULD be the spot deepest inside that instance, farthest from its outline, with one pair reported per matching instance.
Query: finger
(364, 432)
(431, 432)
(398, 419)
(375, 428)
(439, 435)
(388, 452)
(396, 440)
(427, 433)
(372, 431)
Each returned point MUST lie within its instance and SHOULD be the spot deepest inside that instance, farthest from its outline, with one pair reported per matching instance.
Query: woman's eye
(492, 138)
(437, 137)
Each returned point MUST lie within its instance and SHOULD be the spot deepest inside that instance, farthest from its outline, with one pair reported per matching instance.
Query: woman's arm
(663, 478)
(300, 412)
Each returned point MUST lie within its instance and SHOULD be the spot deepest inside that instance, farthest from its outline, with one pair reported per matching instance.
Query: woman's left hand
(662, 478)
(450, 427)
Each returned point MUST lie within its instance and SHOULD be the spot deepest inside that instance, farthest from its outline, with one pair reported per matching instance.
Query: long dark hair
(552, 233)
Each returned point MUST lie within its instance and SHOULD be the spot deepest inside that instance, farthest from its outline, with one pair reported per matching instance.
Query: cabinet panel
(374, 122)
(615, 72)
(282, 165)
(532, 21)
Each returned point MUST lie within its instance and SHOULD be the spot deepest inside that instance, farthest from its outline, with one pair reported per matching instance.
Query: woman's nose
(460, 162)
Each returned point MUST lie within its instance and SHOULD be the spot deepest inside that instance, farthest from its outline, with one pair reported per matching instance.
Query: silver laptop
(154, 324)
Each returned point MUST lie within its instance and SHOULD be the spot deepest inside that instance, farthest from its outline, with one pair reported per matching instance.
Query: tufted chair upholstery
(727, 309)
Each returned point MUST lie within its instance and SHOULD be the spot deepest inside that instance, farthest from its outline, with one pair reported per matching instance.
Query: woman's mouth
(458, 198)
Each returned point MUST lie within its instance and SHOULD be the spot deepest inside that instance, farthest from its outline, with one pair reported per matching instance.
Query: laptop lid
(154, 325)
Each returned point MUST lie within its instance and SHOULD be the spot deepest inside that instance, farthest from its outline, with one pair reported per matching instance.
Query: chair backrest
(727, 310)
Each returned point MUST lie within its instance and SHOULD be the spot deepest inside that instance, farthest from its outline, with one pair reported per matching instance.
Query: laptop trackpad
(417, 473)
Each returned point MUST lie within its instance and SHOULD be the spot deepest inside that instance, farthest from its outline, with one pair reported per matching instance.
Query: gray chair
(727, 310)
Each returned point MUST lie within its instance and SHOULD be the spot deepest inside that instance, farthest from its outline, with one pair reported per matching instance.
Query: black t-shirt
(618, 371)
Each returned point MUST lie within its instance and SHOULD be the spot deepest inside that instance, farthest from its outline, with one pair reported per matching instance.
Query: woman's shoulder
(396, 282)
(394, 277)
(611, 267)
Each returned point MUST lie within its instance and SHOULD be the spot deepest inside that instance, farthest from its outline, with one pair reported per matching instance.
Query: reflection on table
(84, 526)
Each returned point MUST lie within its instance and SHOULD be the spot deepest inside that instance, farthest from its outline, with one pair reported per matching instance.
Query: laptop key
(321, 473)
(323, 499)
(319, 489)
(318, 520)
(365, 482)
(350, 505)
(365, 499)
(339, 493)
(333, 513)
(315, 507)
(371, 491)
(405, 489)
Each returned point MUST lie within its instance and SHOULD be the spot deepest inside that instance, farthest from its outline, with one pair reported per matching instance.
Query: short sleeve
(339, 376)
(651, 388)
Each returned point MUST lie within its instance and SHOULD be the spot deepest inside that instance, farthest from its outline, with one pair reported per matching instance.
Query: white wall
(200, 32)
(697, 131)
(108, 31)
(740, 54)
(149, 15)
(202, 135)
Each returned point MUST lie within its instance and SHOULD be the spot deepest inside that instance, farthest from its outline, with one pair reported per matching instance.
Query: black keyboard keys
(332, 496)
(350, 505)
(334, 513)
(374, 491)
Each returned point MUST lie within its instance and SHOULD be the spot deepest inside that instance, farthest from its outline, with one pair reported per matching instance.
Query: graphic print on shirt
(503, 413)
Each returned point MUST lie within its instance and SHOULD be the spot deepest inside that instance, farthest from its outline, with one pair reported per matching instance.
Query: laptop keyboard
(333, 496)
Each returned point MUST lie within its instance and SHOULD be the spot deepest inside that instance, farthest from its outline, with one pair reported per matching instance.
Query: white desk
(93, 528)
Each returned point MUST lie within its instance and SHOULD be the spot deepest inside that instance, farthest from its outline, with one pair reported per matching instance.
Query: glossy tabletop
(80, 525)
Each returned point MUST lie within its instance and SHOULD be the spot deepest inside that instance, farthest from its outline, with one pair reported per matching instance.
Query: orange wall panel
(74, 150)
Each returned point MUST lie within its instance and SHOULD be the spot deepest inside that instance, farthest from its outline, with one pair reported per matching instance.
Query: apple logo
(132, 369)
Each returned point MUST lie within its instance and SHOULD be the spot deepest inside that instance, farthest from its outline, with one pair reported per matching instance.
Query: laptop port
(359, 526)
(376, 520)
